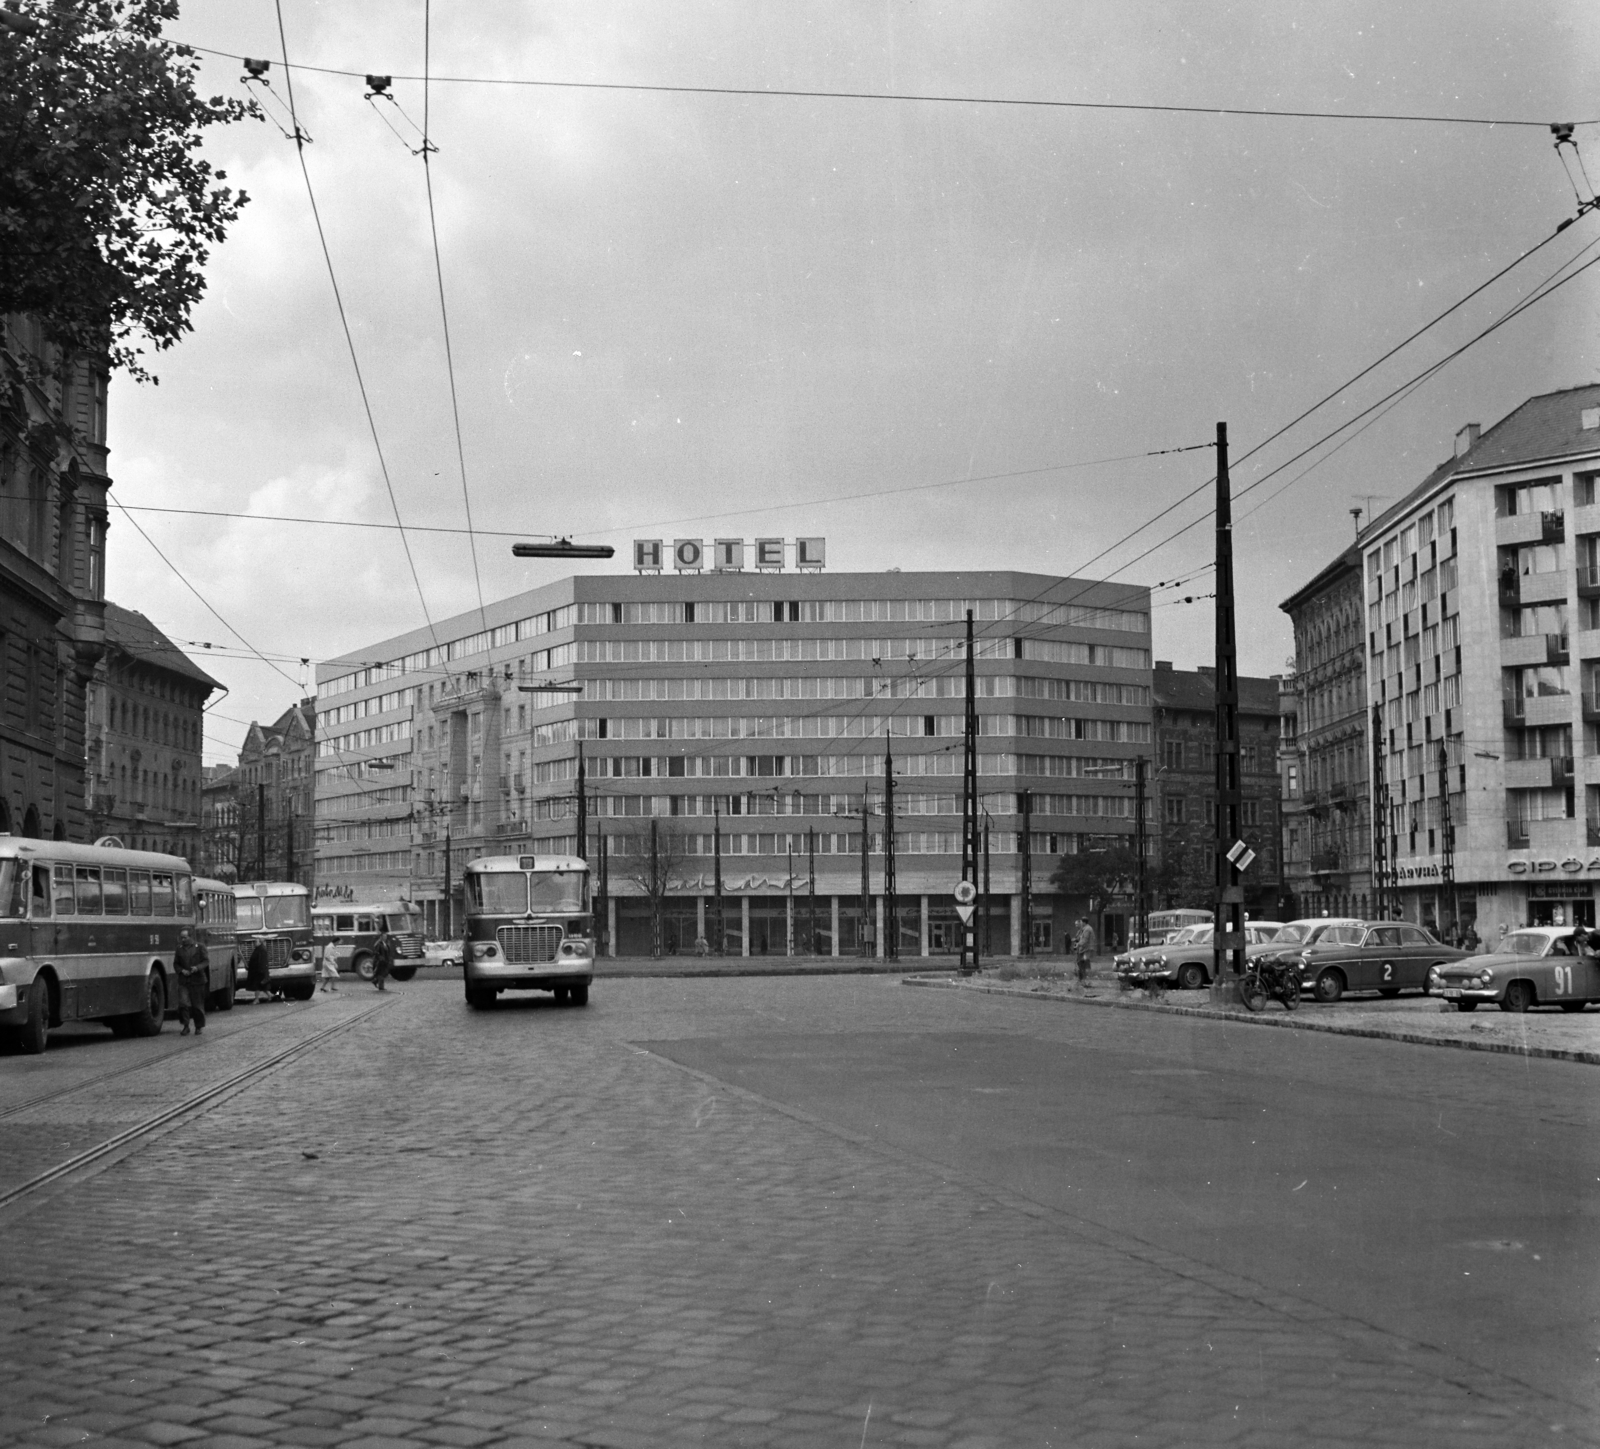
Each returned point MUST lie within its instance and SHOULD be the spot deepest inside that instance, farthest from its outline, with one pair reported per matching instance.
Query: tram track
(87, 1159)
(140, 1066)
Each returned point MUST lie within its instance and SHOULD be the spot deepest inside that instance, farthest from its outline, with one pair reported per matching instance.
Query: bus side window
(116, 882)
(139, 892)
(185, 896)
(345, 925)
(366, 923)
(40, 905)
(161, 888)
(65, 903)
(88, 890)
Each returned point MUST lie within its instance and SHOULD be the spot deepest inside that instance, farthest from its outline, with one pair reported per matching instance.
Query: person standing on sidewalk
(382, 959)
(1083, 944)
(191, 963)
(328, 971)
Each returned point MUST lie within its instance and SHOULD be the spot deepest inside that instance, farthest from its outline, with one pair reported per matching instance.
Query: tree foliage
(1097, 875)
(107, 211)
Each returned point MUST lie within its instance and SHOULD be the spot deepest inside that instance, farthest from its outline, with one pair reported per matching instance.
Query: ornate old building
(274, 791)
(52, 576)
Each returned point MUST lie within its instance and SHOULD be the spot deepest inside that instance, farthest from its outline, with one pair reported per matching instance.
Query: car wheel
(1466, 1006)
(1520, 996)
(363, 966)
(1389, 991)
(1191, 976)
(35, 1033)
(580, 995)
(1330, 987)
(149, 1020)
(1573, 1005)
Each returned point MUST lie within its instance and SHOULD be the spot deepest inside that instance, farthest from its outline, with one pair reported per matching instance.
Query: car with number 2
(1383, 956)
(1536, 966)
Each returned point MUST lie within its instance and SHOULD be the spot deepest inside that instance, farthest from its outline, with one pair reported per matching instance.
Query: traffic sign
(965, 912)
(965, 893)
(1241, 855)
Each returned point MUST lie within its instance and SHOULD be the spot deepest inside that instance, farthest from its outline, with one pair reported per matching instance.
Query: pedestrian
(256, 975)
(328, 971)
(382, 959)
(191, 963)
(1469, 940)
(1083, 948)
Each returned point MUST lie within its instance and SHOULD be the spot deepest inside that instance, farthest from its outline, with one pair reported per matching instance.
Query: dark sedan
(1383, 956)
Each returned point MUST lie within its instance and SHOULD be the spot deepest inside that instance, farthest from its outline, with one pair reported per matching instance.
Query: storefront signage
(1416, 872)
(1568, 865)
(728, 555)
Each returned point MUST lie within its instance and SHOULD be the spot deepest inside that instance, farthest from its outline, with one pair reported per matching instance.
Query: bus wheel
(363, 966)
(35, 1033)
(480, 998)
(560, 993)
(403, 973)
(149, 1021)
(301, 991)
(580, 995)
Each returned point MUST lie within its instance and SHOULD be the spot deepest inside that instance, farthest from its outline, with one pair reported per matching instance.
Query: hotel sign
(728, 555)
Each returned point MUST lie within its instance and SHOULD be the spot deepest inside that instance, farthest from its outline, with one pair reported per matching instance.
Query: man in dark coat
(191, 963)
(256, 972)
(382, 959)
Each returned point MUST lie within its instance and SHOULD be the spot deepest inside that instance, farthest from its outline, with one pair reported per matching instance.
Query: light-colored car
(1536, 966)
(1185, 962)
(441, 953)
(1296, 936)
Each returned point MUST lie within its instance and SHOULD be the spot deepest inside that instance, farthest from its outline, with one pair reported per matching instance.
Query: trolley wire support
(969, 805)
(1227, 938)
(891, 903)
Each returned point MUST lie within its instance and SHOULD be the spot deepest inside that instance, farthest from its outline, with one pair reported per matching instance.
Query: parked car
(1536, 966)
(441, 953)
(1132, 966)
(1383, 956)
(1186, 961)
(1296, 936)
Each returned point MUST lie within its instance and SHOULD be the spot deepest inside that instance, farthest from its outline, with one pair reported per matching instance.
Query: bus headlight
(575, 946)
(300, 953)
(484, 950)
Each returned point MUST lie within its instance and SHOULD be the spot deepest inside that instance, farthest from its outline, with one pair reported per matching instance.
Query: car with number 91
(1536, 966)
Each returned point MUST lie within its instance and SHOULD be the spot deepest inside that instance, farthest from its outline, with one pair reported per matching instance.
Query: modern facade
(273, 793)
(757, 709)
(52, 576)
(1482, 591)
(1184, 789)
(146, 722)
(1332, 872)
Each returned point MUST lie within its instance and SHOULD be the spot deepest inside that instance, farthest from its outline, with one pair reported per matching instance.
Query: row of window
(943, 762)
(93, 890)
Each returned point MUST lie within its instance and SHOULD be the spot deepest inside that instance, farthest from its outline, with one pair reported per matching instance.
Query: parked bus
(530, 927)
(354, 929)
(277, 914)
(87, 933)
(215, 917)
(1163, 925)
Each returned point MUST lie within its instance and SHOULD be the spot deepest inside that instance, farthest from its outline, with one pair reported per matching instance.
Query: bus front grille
(526, 945)
(277, 952)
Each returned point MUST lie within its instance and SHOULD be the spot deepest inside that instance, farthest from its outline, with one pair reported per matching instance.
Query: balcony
(1588, 581)
(1544, 709)
(1324, 862)
(1549, 526)
(1550, 588)
(1522, 650)
(1544, 774)
(1553, 837)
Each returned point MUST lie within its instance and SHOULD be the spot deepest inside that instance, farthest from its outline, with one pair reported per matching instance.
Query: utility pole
(603, 928)
(788, 881)
(261, 830)
(449, 900)
(657, 891)
(891, 906)
(969, 804)
(864, 945)
(811, 890)
(1227, 951)
(1142, 904)
(1025, 940)
(716, 870)
(1447, 838)
(583, 808)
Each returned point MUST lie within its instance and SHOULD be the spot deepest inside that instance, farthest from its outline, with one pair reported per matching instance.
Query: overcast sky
(701, 315)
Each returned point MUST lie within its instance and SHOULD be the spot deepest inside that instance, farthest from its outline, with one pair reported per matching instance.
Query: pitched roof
(1194, 690)
(138, 638)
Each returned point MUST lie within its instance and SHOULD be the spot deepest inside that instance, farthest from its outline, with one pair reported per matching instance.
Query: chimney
(1164, 664)
(1467, 439)
(1209, 670)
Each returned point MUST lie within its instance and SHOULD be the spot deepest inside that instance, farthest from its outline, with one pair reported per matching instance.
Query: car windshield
(1339, 936)
(1525, 943)
(499, 893)
(287, 913)
(559, 890)
(1293, 935)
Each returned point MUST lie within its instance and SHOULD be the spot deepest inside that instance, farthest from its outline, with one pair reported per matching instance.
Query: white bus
(87, 933)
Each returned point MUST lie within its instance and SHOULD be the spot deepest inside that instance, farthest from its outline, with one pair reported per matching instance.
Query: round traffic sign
(966, 893)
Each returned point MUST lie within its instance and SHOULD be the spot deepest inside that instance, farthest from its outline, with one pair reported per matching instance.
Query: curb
(1291, 1022)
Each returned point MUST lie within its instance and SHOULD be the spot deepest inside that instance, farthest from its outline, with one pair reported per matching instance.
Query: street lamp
(562, 548)
(576, 688)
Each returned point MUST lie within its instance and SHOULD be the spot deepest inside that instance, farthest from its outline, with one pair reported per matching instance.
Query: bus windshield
(559, 890)
(287, 913)
(499, 893)
(249, 913)
(400, 922)
(13, 899)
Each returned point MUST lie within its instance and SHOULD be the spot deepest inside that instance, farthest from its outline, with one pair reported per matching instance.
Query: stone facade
(219, 822)
(274, 795)
(146, 721)
(52, 577)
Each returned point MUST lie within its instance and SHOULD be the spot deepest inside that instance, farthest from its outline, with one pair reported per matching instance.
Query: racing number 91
(1563, 980)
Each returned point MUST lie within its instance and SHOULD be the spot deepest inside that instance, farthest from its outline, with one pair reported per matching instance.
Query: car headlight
(1484, 978)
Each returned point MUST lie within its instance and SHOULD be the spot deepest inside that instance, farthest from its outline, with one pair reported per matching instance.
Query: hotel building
(758, 706)
(1482, 599)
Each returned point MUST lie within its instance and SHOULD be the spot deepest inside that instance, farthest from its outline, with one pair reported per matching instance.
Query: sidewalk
(1421, 1020)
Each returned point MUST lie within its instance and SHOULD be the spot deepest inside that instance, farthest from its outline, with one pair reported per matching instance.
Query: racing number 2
(1388, 971)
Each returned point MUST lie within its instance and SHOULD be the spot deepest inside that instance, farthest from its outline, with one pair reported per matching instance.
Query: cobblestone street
(530, 1227)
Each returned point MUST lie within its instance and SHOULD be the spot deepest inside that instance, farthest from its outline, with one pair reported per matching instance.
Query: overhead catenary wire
(925, 98)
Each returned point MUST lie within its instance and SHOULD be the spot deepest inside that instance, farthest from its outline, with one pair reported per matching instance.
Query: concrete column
(744, 925)
(879, 908)
(700, 917)
(924, 901)
(835, 900)
(1016, 923)
(611, 923)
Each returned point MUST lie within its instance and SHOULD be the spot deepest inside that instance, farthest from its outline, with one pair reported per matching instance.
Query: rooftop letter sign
(728, 555)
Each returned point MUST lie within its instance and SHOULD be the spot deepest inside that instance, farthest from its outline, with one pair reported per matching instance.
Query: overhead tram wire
(344, 323)
(444, 314)
(1018, 102)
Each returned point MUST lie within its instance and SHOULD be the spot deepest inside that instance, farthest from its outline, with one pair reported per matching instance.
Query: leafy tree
(107, 212)
(1097, 875)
